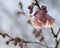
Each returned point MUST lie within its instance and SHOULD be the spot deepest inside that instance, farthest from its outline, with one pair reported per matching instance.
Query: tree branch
(55, 36)
(23, 41)
(37, 4)
(53, 32)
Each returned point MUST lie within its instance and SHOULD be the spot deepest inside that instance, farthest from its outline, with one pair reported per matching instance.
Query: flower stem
(37, 4)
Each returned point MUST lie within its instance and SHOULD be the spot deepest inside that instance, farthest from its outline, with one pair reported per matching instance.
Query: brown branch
(20, 5)
(37, 43)
(55, 36)
(53, 32)
(18, 40)
(37, 4)
(57, 43)
(58, 32)
(4, 35)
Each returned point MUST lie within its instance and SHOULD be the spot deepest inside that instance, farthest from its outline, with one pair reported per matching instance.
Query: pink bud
(35, 13)
(30, 8)
(15, 43)
(7, 42)
(41, 38)
(21, 45)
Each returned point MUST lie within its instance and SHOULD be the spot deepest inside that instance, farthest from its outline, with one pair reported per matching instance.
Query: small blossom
(42, 19)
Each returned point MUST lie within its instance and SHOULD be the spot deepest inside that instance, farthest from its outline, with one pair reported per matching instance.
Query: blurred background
(16, 25)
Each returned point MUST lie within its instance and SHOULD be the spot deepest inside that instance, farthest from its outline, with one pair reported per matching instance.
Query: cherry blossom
(42, 19)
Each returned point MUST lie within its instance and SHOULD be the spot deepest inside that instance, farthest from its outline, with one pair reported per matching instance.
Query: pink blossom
(42, 19)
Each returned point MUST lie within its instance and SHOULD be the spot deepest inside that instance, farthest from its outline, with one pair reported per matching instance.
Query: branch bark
(55, 36)
(23, 41)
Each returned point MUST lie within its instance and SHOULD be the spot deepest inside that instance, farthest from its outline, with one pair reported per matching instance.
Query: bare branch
(53, 32)
(58, 32)
(37, 4)
(55, 36)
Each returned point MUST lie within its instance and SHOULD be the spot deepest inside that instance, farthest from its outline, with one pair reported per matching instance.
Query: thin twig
(20, 5)
(57, 43)
(55, 36)
(37, 4)
(37, 43)
(58, 32)
(53, 32)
